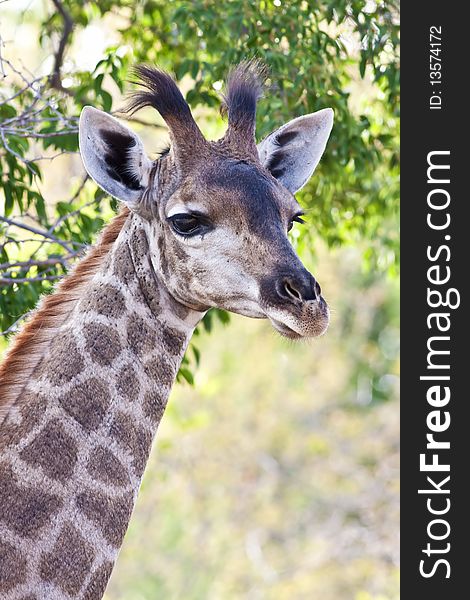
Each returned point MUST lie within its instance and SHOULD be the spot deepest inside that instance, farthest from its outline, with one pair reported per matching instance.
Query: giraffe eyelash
(297, 219)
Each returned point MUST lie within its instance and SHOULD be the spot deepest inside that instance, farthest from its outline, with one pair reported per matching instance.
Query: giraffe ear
(293, 151)
(113, 155)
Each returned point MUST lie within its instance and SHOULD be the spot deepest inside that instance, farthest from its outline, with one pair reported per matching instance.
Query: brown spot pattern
(133, 439)
(65, 361)
(32, 407)
(104, 299)
(140, 337)
(139, 244)
(146, 275)
(161, 370)
(150, 291)
(25, 510)
(123, 266)
(12, 567)
(180, 310)
(163, 260)
(172, 339)
(104, 466)
(110, 514)
(97, 586)
(127, 384)
(69, 563)
(154, 405)
(53, 450)
(102, 342)
(87, 403)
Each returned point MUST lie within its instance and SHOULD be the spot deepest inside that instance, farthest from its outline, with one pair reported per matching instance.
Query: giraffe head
(216, 214)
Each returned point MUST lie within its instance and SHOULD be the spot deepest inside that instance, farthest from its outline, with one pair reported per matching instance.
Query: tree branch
(60, 220)
(14, 327)
(40, 232)
(4, 281)
(55, 79)
(63, 260)
(131, 119)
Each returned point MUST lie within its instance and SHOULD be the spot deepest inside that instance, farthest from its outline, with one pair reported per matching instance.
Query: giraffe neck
(75, 447)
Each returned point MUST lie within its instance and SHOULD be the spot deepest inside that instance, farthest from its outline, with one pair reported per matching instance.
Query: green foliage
(341, 54)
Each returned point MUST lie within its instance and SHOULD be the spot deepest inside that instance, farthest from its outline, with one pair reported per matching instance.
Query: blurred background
(274, 474)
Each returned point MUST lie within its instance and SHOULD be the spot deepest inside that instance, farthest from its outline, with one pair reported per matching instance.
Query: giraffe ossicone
(85, 384)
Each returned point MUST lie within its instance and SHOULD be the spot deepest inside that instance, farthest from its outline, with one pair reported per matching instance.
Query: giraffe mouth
(284, 329)
(308, 321)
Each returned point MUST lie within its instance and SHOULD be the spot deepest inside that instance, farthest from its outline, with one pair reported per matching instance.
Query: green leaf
(106, 99)
(7, 111)
(362, 66)
(207, 321)
(41, 208)
(97, 83)
(187, 375)
(197, 354)
(8, 199)
(223, 315)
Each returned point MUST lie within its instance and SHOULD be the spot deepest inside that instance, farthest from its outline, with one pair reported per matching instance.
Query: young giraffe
(86, 382)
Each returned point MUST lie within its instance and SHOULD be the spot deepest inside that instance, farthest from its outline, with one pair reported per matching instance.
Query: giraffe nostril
(301, 287)
(291, 290)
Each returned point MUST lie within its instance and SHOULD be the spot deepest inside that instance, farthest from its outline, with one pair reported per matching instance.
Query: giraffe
(85, 383)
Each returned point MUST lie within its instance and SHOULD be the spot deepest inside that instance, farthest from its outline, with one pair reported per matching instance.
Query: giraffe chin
(315, 329)
(285, 330)
(312, 321)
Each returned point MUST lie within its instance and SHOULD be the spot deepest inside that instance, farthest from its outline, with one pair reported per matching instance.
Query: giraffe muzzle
(293, 303)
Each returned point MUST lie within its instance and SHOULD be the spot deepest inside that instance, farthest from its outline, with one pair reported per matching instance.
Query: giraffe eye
(187, 224)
